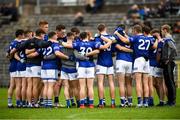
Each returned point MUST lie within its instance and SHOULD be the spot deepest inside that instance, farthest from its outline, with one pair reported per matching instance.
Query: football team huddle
(41, 62)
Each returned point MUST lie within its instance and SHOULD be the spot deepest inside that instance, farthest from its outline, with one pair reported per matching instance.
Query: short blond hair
(167, 27)
(43, 22)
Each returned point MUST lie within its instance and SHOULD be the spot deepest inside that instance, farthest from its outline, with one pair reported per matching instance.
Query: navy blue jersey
(121, 55)
(77, 39)
(85, 47)
(22, 55)
(45, 37)
(64, 39)
(140, 45)
(13, 61)
(105, 56)
(51, 63)
(152, 55)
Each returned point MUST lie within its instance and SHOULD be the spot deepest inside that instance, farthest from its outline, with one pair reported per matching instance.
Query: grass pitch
(96, 113)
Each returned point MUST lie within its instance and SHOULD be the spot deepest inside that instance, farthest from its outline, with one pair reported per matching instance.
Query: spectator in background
(89, 5)
(133, 12)
(79, 19)
(142, 13)
(176, 27)
(93, 6)
(171, 6)
(98, 5)
(161, 10)
(9, 10)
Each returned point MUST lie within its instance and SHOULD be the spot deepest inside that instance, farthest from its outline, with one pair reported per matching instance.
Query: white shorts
(77, 65)
(141, 65)
(156, 72)
(13, 74)
(104, 70)
(123, 66)
(21, 73)
(34, 71)
(86, 72)
(68, 76)
(49, 75)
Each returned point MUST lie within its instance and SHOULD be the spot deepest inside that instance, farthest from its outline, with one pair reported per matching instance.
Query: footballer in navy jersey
(14, 81)
(61, 33)
(21, 57)
(152, 60)
(49, 71)
(104, 65)
(13, 73)
(69, 74)
(45, 37)
(21, 73)
(124, 59)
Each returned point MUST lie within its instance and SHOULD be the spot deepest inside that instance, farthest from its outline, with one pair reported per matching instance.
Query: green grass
(96, 113)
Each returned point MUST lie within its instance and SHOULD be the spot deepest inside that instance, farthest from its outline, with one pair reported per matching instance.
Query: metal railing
(178, 73)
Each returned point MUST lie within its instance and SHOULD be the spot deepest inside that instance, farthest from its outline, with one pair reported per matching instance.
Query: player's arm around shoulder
(122, 38)
(29, 51)
(108, 43)
(92, 53)
(34, 54)
(67, 45)
(16, 56)
(155, 45)
(122, 48)
(57, 51)
(61, 55)
(157, 40)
